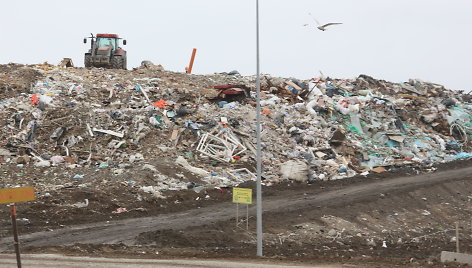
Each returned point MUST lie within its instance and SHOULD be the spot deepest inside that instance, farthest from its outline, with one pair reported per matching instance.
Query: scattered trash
(198, 171)
(425, 213)
(71, 119)
(103, 165)
(379, 170)
(294, 170)
(110, 132)
(66, 62)
(81, 204)
(223, 146)
(119, 210)
(42, 164)
(161, 104)
(225, 91)
(242, 174)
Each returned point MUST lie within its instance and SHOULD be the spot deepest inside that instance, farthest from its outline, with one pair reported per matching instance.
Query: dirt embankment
(403, 220)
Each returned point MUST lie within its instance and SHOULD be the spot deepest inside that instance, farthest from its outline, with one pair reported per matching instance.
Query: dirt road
(52, 260)
(125, 231)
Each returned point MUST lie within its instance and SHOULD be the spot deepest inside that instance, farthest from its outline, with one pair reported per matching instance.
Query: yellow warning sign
(13, 195)
(242, 195)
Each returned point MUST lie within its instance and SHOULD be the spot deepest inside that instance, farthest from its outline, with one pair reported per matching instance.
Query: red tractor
(105, 52)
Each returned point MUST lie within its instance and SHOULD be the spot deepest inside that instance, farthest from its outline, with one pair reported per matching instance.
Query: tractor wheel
(117, 62)
(88, 61)
(125, 63)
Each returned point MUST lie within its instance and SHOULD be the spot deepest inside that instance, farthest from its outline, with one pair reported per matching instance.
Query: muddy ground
(405, 224)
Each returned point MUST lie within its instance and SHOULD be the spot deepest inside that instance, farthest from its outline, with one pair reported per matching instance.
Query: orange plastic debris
(34, 100)
(161, 104)
(266, 111)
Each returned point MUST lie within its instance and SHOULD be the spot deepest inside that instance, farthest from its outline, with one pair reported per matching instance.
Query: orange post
(190, 66)
(15, 235)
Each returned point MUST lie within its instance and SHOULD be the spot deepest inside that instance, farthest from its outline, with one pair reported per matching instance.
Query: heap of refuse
(319, 129)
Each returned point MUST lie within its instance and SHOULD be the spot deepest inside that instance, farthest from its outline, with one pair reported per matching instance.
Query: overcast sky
(388, 39)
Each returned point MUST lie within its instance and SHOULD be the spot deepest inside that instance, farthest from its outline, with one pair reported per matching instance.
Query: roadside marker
(242, 196)
(12, 196)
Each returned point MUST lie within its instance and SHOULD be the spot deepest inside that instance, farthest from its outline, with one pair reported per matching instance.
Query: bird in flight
(322, 27)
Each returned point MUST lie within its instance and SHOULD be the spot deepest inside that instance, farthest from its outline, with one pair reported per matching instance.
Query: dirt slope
(125, 231)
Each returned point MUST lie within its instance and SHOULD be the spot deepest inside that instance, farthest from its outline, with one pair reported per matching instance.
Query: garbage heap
(78, 120)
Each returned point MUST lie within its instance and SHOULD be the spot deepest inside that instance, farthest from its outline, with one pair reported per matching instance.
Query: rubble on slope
(122, 124)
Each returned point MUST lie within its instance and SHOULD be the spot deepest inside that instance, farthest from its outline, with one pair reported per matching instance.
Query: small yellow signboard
(13, 195)
(242, 195)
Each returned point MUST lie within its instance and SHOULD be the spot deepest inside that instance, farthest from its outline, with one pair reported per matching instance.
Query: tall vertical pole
(258, 137)
(15, 234)
(192, 59)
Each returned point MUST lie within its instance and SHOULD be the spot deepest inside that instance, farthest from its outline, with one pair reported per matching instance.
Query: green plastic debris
(170, 114)
(189, 155)
(103, 165)
(158, 122)
(352, 128)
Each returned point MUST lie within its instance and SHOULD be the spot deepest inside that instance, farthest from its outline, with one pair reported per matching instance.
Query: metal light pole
(258, 137)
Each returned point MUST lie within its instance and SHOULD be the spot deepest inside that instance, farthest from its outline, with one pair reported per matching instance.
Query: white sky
(388, 39)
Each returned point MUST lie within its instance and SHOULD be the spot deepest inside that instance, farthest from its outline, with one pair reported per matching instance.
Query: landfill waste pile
(158, 131)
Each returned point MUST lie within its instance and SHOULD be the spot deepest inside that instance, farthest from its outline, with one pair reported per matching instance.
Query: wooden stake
(237, 214)
(247, 216)
(457, 237)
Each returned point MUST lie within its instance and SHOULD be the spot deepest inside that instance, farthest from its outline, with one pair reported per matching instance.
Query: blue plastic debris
(292, 89)
(222, 103)
(420, 144)
(463, 155)
(103, 165)
(391, 143)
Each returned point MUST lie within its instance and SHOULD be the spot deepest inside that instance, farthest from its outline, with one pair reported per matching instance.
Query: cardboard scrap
(109, 132)
(399, 139)
(379, 170)
(175, 133)
(295, 86)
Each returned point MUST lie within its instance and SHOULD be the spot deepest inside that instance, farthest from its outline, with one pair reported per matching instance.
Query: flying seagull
(322, 27)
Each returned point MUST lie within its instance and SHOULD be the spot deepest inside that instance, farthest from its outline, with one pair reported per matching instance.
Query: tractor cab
(107, 42)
